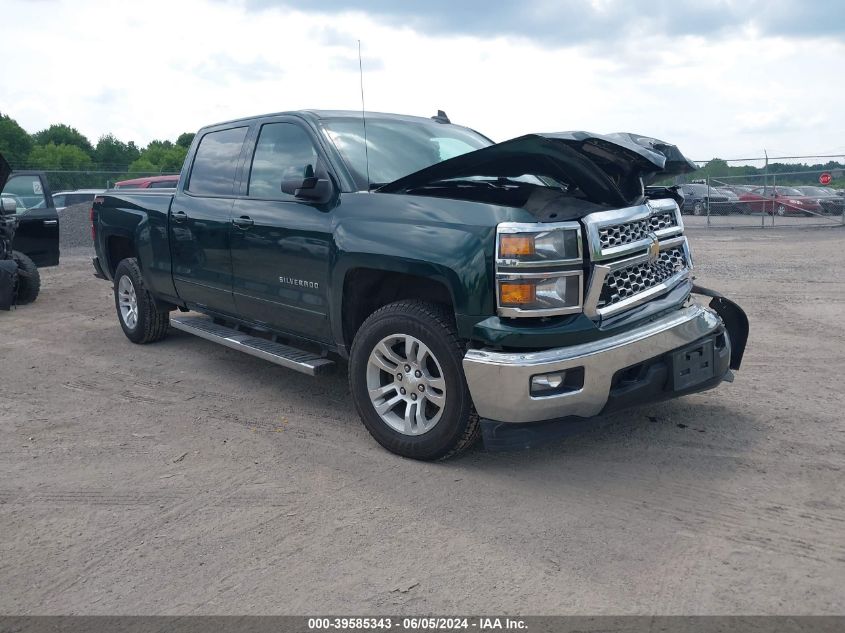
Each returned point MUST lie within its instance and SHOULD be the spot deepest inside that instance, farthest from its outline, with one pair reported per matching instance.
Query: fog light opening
(557, 382)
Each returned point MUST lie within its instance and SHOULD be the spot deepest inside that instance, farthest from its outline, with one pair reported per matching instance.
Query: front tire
(407, 382)
(141, 320)
(29, 279)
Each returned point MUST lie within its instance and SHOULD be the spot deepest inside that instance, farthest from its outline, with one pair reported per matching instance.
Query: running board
(284, 355)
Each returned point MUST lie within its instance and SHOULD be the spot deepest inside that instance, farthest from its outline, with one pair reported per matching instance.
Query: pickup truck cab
(469, 285)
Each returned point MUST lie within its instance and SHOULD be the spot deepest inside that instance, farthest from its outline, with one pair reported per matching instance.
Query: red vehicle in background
(149, 182)
(780, 200)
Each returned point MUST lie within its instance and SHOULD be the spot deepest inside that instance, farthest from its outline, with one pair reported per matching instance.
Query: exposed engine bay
(560, 176)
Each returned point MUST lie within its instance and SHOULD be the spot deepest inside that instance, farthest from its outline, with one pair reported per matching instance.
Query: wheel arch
(118, 248)
(366, 288)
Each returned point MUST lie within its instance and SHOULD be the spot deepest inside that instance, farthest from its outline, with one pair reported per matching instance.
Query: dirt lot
(185, 478)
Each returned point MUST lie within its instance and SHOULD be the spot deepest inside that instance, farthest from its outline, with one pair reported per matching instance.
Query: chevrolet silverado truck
(473, 288)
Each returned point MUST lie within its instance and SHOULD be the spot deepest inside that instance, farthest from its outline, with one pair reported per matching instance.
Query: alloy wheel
(128, 302)
(406, 384)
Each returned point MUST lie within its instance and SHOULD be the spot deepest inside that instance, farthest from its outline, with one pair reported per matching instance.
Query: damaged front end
(734, 318)
(555, 177)
(600, 245)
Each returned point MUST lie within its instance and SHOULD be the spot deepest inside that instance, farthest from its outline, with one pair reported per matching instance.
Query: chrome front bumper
(500, 382)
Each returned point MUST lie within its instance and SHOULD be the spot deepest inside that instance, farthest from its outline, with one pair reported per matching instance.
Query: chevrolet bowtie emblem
(653, 249)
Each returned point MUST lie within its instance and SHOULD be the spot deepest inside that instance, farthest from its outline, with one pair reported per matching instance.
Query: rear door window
(216, 161)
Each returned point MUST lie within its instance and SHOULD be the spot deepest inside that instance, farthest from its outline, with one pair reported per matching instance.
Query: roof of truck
(327, 114)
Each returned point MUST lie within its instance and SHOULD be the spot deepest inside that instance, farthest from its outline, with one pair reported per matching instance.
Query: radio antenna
(364, 116)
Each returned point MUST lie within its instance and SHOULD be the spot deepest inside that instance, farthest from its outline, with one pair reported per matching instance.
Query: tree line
(62, 148)
(784, 173)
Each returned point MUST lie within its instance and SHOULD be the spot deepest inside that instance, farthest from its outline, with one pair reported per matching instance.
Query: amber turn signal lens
(516, 245)
(517, 294)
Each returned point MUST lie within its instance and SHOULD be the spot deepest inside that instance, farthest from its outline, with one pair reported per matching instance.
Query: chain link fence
(761, 197)
(767, 195)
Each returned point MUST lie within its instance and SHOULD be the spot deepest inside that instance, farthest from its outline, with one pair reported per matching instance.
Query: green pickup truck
(507, 290)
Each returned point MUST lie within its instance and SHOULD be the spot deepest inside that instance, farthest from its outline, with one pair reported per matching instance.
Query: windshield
(398, 147)
(788, 191)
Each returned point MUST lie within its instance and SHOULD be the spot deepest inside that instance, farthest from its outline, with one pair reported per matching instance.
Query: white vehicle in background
(64, 199)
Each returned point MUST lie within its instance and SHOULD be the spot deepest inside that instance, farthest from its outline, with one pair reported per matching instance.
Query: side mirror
(309, 187)
(8, 206)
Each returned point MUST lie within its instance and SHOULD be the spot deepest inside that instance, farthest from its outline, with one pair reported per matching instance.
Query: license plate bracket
(693, 365)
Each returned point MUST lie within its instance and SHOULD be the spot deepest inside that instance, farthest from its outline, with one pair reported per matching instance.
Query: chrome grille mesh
(629, 232)
(627, 282)
(624, 233)
(663, 220)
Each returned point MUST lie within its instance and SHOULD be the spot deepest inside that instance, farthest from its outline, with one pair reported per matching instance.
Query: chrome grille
(629, 232)
(624, 233)
(627, 282)
(664, 220)
(621, 245)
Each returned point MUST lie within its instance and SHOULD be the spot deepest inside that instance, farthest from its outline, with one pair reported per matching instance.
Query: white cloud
(161, 68)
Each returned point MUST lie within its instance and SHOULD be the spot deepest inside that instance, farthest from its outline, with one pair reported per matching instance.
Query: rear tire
(141, 320)
(413, 347)
(29, 279)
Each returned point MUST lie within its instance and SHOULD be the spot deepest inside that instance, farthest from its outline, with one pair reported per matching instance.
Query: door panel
(200, 251)
(200, 221)
(280, 266)
(37, 234)
(280, 244)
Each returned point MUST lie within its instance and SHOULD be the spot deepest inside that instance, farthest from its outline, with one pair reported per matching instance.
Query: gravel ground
(75, 226)
(186, 478)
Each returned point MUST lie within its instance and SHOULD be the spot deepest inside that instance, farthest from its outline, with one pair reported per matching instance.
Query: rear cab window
(216, 162)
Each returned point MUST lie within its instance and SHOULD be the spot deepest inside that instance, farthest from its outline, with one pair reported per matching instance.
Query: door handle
(243, 222)
(179, 216)
(50, 222)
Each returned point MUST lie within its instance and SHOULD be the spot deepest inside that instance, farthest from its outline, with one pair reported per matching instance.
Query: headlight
(539, 269)
(535, 245)
(560, 292)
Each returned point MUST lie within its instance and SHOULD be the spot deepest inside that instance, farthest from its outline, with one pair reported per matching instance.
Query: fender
(450, 242)
(734, 318)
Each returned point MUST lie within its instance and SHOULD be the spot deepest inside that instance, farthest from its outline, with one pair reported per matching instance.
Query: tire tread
(29, 279)
(153, 322)
(441, 316)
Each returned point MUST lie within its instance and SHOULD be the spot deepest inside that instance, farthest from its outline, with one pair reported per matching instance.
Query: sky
(721, 78)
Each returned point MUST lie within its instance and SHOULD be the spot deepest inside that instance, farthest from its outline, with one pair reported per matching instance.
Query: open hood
(5, 172)
(606, 168)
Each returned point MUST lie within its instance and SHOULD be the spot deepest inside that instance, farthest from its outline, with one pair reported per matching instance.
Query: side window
(59, 201)
(213, 172)
(28, 192)
(283, 151)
